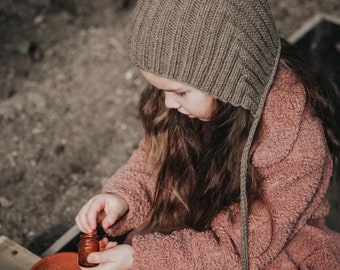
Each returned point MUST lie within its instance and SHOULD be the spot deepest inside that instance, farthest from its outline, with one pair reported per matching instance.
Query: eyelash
(180, 94)
(177, 94)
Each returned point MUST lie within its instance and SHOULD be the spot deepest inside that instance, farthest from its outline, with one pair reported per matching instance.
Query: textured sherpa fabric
(286, 227)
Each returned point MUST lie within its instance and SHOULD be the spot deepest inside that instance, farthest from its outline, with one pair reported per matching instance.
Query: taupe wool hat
(227, 48)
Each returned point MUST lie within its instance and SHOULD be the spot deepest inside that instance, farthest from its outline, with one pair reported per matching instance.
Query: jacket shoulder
(281, 119)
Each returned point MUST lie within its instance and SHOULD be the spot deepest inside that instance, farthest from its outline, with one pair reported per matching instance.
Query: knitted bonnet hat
(227, 48)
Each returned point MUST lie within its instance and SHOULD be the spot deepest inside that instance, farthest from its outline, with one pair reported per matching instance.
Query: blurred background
(69, 102)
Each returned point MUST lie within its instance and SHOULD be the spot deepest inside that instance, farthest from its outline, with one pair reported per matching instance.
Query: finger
(109, 219)
(101, 257)
(105, 244)
(111, 245)
(95, 206)
(81, 226)
(100, 216)
(82, 219)
(102, 243)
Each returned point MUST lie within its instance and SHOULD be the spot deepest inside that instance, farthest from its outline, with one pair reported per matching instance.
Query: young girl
(240, 137)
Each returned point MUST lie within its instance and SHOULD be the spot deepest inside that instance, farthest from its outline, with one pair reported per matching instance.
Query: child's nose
(170, 101)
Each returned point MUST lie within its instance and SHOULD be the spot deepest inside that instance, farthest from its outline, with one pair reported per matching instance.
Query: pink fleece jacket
(286, 228)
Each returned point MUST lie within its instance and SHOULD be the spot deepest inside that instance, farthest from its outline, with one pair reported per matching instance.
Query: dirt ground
(68, 106)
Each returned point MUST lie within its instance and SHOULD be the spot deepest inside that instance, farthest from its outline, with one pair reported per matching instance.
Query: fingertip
(95, 257)
(103, 242)
(104, 224)
(91, 230)
(111, 245)
(92, 226)
(86, 229)
(92, 258)
(108, 221)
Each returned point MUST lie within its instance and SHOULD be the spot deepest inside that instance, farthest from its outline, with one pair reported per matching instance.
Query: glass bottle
(88, 243)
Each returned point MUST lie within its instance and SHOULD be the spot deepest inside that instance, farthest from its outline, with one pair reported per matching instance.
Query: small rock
(129, 74)
(37, 99)
(4, 202)
(38, 19)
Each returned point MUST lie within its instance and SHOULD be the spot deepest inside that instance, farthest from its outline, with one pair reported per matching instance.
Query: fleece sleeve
(134, 184)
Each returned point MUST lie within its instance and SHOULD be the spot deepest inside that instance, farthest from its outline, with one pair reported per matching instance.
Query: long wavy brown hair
(196, 164)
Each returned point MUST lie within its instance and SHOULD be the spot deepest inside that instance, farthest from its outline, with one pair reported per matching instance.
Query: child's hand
(112, 205)
(113, 257)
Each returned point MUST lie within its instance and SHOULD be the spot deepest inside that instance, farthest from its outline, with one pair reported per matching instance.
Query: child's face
(186, 99)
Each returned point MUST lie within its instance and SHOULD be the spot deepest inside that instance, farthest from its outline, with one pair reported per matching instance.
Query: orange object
(88, 243)
(58, 261)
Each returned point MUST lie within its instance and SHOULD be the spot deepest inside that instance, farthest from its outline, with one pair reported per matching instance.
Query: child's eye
(179, 94)
(176, 93)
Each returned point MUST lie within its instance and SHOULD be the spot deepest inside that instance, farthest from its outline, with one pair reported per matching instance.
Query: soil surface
(68, 107)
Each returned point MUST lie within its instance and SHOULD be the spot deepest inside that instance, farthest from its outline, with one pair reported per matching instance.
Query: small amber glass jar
(88, 243)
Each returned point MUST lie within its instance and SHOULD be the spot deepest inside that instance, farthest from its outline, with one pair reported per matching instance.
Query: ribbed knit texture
(227, 48)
